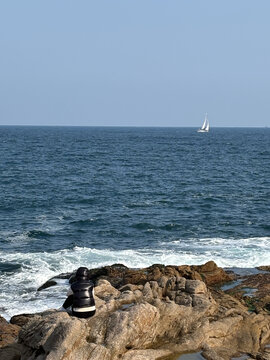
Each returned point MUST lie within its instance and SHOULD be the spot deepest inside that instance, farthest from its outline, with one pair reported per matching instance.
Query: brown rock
(148, 354)
(104, 289)
(134, 328)
(21, 319)
(11, 352)
(129, 287)
(207, 267)
(264, 267)
(119, 275)
(156, 290)
(254, 291)
(147, 291)
(8, 332)
(195, 287)
(188, 272)
(135, 277)
(53, 336)
(211, 274)
(183, 299)
(210, 354)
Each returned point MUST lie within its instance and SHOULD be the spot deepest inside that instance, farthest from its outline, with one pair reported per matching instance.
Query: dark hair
(82, 272)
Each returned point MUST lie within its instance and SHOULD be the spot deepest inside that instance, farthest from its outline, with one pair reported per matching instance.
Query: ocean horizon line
(134, 126)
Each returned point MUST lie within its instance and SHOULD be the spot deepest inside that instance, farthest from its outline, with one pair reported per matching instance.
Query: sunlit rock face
(165, 312)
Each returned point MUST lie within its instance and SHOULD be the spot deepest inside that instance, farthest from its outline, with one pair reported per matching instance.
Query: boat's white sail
(205, 126)
(204, 123)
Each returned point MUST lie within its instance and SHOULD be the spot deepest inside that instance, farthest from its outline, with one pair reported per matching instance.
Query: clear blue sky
(135, 63)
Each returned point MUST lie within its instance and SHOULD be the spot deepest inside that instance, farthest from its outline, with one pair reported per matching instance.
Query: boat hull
(200, 130)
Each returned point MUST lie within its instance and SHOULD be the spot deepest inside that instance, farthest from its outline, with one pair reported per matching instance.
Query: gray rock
(195, 287)
(47, 284)
(200, 300)
(104, 290)
(183, 299)
(162, 281)
(133, 328)
(148, 354)
(51, 336)
(128, 287)
(156, 290)
(180, 283)
(147, 291)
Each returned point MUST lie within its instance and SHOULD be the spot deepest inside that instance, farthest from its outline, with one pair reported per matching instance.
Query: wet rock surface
(148, 314)
(254, 291)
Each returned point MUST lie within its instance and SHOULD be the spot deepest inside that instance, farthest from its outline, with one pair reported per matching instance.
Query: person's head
(81, 273)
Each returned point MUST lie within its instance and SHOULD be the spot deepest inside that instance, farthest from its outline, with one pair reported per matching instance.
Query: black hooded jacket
(82, 292)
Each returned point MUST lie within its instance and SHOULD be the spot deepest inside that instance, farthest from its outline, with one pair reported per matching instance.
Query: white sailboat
(205, 126)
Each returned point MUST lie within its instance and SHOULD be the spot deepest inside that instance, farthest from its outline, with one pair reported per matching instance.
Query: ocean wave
(87, 201)
(232, 252)
(9, 267)
(19, 238)
(87, 222)
(38, 234)
(148, 226)
(142, 226)
(169, 227)
(226, 252)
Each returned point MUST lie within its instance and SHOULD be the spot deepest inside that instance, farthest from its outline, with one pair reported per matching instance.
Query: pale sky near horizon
(135, 63)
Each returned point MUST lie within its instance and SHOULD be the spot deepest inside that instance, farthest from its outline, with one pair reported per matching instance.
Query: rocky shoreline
(156, 313)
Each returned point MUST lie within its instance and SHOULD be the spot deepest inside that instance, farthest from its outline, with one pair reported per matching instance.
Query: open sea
(94, 196)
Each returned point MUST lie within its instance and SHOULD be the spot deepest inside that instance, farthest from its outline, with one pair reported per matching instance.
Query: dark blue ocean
(92, 196)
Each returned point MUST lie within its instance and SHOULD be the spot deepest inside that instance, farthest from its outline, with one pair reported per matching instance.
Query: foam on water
(80, 196)
(27, 271)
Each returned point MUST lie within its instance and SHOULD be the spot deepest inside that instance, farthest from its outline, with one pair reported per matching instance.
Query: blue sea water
(93, 196)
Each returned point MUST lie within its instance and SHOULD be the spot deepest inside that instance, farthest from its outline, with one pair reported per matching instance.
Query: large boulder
(21, 319)
(211, 274)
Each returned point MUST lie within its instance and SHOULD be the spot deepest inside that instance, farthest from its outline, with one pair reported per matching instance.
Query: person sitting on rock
(81, 296)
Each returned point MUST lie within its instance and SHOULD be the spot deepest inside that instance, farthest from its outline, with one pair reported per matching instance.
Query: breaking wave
(22, 273)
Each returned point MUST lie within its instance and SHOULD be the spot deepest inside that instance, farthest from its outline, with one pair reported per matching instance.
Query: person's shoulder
(89, 282)
(83, 282)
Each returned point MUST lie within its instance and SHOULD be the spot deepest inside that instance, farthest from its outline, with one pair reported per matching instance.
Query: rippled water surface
(73, 196)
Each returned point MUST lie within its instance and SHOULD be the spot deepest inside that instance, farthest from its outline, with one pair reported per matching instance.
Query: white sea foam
(19, 289)
(245, 252)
